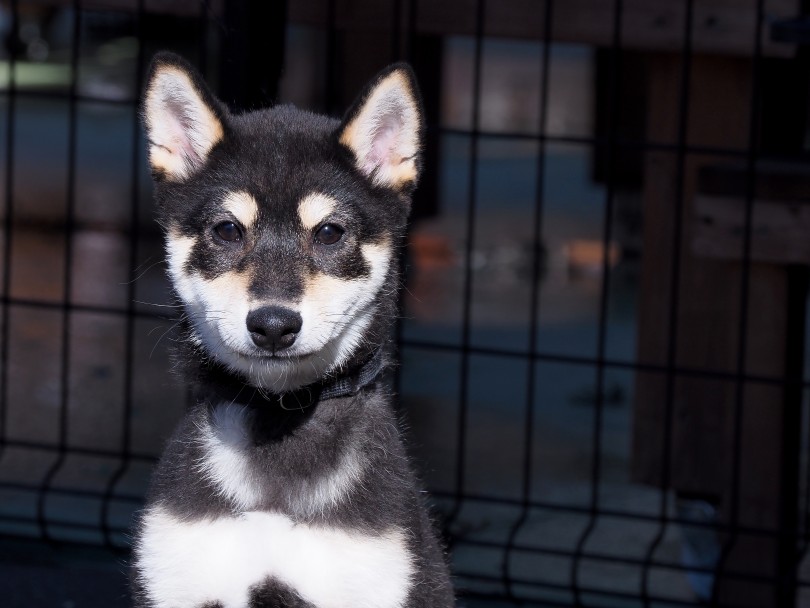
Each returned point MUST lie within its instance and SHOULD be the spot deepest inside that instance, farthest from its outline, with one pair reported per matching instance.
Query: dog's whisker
(142, 273)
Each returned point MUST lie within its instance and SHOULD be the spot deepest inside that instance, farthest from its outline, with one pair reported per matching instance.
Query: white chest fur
(186, 564)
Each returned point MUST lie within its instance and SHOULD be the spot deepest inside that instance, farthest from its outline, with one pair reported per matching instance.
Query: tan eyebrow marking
(243, 207)
(314, 208)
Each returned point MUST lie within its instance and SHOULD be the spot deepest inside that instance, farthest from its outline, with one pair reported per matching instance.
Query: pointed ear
(384, 129)
(183, 120)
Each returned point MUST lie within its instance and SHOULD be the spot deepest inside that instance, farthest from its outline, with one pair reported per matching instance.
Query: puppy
(286, 483)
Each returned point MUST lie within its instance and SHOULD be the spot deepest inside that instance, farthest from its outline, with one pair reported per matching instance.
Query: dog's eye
(228, 231)
(328, 234)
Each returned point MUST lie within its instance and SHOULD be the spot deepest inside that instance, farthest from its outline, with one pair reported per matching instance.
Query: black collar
(238, 392)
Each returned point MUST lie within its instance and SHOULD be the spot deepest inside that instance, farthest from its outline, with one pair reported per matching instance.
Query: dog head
(281, 225)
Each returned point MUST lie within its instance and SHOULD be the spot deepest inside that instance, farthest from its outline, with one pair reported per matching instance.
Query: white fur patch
(181, 127)
(226, 442)
(242, 206)
(178, 250)
(217, 309)
(314, 209)
(186, 564)
(384, 135)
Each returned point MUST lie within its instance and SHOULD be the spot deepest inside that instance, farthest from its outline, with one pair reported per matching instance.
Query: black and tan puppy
(286, 483)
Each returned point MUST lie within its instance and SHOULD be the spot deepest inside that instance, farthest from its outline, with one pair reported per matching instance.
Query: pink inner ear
(385, 138)
(177, 127)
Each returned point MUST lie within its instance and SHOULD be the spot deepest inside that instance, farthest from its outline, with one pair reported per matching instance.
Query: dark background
(603, 333)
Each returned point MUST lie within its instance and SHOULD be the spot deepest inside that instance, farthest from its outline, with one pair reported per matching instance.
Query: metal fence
(603, 334)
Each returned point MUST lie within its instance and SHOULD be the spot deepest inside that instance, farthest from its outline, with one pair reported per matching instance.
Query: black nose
(273, 327)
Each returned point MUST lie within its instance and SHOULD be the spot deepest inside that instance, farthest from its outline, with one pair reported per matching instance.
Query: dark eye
(328, 234)
(228, 231)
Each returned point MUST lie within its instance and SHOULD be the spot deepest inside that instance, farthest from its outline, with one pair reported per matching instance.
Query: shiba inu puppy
(286, 483)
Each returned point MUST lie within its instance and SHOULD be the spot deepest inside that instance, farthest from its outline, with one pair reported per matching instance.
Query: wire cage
(603, 330)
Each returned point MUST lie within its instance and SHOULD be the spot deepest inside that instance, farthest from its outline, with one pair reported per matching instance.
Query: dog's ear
(183, 119)
(384, 129)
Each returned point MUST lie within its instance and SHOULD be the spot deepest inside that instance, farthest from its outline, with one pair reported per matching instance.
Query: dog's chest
(190, 564)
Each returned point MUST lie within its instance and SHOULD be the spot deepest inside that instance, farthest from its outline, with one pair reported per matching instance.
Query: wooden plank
(702, 426)
(724, 27)
(780, 230)
(773, 180)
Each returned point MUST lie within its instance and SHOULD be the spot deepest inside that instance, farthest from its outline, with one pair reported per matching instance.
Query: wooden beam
(780, 230)
(724, 27)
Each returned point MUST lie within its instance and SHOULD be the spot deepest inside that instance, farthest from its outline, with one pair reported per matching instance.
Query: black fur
(278, 156)
(273, 594)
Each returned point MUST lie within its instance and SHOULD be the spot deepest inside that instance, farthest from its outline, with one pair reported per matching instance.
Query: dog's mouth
(281, 356)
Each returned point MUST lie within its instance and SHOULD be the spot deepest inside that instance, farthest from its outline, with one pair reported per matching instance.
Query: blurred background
(603, 334)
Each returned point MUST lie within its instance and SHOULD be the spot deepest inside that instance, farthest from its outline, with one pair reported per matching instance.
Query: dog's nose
(273, 327)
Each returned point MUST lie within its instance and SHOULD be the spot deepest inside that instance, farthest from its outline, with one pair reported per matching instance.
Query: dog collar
(306, 396)
(351, 385)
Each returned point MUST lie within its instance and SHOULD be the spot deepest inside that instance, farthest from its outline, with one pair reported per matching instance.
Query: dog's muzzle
(273, 328)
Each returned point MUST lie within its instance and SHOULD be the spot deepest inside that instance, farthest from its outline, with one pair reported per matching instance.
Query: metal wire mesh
(73, 470)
